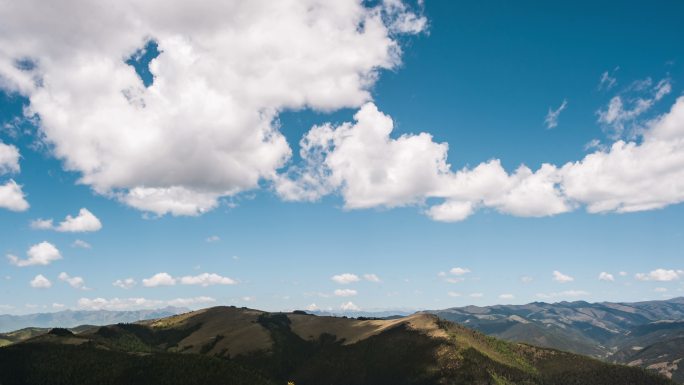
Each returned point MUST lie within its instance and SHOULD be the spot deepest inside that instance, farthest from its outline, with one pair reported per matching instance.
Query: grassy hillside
(234, 345)
(28, 333)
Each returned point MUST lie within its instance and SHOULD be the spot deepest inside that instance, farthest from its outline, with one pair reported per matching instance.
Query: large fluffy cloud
(631, 175)
(369, 168)
(206, 127)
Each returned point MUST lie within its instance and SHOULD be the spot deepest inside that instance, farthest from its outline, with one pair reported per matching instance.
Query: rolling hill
(228, 345)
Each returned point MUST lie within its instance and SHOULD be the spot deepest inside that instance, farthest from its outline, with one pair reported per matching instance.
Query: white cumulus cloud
(75, 282)
(603, 276)
(40, 282)
(660, 275)
(159, 279)
(207, 279)
(42, 253)
(85, 221)
(12, 197)
(562, 278)
(371, 169)
(345, 278)
(207, 125)
(368, 167)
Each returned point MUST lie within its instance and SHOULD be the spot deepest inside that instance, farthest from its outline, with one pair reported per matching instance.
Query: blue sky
(279, 229)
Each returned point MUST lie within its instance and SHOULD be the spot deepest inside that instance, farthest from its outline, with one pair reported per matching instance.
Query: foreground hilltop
(228, 345)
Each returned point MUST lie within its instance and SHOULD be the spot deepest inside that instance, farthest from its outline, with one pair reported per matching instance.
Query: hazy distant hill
(228, 345)
(647, 334)
(73, 318)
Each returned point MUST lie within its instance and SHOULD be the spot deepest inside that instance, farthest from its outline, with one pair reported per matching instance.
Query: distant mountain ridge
(73, 318)
(648, 334)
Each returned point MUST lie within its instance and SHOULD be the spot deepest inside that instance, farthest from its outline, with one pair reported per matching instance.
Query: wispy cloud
(126, 283)
(81, 244)
(551, 119)
(608, 79)
(372, 278)
(345, 292)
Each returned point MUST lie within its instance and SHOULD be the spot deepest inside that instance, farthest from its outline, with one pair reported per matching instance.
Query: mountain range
(649, 334)
(73, 318)
(229, 345)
